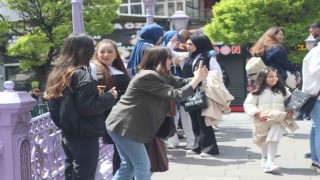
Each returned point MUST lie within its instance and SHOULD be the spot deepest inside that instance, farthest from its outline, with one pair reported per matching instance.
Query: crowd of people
(126, 105)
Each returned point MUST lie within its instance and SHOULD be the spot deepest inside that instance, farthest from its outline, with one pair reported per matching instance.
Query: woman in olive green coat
(140, 112)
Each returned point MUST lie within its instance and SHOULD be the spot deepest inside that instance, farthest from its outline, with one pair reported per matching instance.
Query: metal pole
(149, 15)
(77, 17)
(149, 10)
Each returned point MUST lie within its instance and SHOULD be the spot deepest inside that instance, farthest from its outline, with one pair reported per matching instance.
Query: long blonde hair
(76, 53)
(117, 63)
(266, 41)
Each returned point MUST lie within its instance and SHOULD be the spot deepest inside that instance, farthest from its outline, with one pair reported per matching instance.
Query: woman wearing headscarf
(180, 113)
(150, 35)
(205, 141)
(169, 35)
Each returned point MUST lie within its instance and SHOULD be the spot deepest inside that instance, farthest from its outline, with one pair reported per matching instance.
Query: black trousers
(82, 154)
(205, 139)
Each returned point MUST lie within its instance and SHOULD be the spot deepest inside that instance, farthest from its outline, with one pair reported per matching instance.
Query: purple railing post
(15, 107)
(77, 17)
(149, 10)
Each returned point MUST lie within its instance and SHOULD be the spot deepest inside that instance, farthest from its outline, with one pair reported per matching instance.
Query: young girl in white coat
(267, 98)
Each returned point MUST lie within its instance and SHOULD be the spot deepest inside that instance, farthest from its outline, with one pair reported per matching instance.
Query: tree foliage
(44, 24)
(239, 22)
(4, 30)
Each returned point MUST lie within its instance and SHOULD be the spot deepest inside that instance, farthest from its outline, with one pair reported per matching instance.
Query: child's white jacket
(266, 102)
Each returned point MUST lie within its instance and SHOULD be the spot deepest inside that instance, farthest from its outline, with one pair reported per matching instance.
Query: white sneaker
(315, 167)
(171, 146)
(263, 162)
(271, 168)
(205, 155)
(189, 147)
(190, 152)
(170, 157)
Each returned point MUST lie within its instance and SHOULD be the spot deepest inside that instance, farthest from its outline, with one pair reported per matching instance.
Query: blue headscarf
(168, 35)
(148, 34)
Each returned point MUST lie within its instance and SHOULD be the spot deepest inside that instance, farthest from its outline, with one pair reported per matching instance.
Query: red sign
(225, 50)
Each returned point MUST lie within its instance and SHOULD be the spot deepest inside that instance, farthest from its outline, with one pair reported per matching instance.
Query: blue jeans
(134, 159)
(315, 132)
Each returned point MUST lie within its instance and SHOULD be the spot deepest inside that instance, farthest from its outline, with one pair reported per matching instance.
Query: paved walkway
(239, 159)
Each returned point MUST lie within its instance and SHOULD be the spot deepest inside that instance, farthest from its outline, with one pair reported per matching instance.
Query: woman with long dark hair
(81, 107)
(140, 112)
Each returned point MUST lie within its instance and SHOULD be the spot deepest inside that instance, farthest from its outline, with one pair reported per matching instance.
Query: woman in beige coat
(266, 99)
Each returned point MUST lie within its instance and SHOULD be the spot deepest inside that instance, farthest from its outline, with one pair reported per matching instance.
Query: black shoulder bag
(301, 102)
(196, 102)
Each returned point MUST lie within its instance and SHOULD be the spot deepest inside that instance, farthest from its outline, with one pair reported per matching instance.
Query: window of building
(136, 9)
(196, 9)
(162, 8)
(171, 8)
(123, 10)
(159, 10)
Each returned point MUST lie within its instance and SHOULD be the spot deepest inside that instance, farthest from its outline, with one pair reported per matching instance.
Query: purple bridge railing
(30, 148)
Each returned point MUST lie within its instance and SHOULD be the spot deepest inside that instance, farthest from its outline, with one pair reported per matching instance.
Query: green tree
(4, 30)
(44, 24)
(239, 22)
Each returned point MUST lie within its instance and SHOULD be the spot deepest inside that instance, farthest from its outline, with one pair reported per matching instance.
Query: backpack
(225, 76)
(54, 109)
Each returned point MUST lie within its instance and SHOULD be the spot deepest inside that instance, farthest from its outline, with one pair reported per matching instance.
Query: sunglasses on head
(266, 70)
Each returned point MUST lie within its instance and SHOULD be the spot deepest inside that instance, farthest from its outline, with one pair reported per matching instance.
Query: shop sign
(125, 34)
(129, 25)
(225, 50)
(301, 47)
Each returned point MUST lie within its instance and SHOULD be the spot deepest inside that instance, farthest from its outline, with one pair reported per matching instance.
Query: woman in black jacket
(81, 107)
